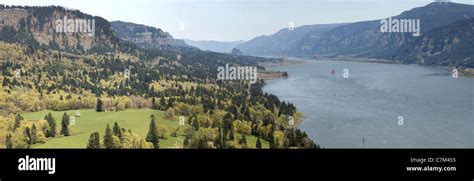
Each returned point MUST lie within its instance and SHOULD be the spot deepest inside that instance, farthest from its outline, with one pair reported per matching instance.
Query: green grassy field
(91, 121)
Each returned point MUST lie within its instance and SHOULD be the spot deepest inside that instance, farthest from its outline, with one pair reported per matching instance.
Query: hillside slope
(145, 36)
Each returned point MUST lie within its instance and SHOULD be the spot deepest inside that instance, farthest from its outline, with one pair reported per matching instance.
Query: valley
(137, 75)
(62, 72)
(134, 119)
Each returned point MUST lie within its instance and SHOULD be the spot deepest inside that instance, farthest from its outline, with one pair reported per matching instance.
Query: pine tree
(271, 139)
(5, 82)
(94, 141)
(17, 123)
(9, 142)
(227, 124)
(258, 144)
(162, 103)
(231, 134)
(65, 125)
(195, 122)
(99, 107)
(152, 135)
(219, 143)
(153, 104)
(51, 132)
(108, 140)
(27, 134)
(33, 136)
(117, 131)
(170, 103)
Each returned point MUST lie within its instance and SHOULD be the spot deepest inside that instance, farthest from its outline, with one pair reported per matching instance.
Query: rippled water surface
(437, 110)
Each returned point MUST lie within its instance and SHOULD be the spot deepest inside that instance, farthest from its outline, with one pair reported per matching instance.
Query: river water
(379, 105)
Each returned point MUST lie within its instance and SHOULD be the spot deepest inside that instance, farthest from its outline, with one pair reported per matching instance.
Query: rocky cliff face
(59, 28)
(145, 36)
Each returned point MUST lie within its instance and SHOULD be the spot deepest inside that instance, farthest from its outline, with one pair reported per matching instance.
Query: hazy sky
(230, 20)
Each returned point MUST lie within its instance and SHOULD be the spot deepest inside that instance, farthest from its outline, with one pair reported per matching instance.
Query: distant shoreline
(284, 62)
(273, 74)
(463, 72)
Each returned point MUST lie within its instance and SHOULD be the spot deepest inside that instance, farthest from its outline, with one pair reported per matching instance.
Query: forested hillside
(42, 71)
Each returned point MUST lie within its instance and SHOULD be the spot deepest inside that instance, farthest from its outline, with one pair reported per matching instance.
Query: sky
(233, 20)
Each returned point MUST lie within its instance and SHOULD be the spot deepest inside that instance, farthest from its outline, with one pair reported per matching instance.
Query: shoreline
(284, 62)
(274, 74)
(462, 72)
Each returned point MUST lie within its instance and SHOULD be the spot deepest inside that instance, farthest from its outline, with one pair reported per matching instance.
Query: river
(379, 105)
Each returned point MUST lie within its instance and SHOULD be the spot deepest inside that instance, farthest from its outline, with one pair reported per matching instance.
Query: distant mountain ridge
(440, 42)
(215, 46)
(364, 39)
(285, 42)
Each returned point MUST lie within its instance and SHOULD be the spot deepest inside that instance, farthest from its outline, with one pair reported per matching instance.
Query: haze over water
(437, 110)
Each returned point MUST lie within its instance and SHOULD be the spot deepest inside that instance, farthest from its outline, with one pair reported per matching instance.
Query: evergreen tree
(231, 134)
(227, 125)
(271, 139)
(51, 132)
(170, 103)
(162, 103)
(17, 123)
(65, 125)
(219, 143)
(33, 136)
(258, 145)
(27, 134)
(195, 123)
(9, 142)
(5, 82)
(153, 104)
(152, 135)
(99, 107)
(117, 131)
(108, 140)
(94, 141)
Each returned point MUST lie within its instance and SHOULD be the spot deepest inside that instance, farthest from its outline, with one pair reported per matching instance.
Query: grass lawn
(91, 121)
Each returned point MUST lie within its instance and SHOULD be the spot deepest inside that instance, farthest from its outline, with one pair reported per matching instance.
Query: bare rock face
(145, 36)
(58, 28)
